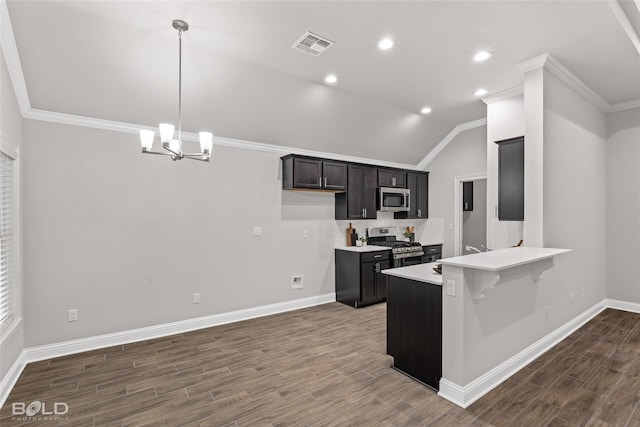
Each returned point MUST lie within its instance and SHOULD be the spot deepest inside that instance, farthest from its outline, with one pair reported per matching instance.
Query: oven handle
(408, 255)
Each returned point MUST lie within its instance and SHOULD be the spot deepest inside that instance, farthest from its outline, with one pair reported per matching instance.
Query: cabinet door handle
(419, 213)
(325, 182)
(365, 213)
(393, 182)
(377, 256)
(320, 181)
(377, 267)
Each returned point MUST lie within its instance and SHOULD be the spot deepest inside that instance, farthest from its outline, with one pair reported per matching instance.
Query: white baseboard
(464, 396)
(633, 307)
(91, 343)
(11, 377)
(459, 395)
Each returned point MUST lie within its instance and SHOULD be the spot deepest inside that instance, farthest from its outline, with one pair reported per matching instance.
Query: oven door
(405, 260)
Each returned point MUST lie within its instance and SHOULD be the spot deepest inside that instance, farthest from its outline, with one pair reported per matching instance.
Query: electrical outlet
(196, 298)
(451, 288)
(546, 311)
(257, 231)
(582, 290)
(72, 315)
(296, 282)
(305, 234)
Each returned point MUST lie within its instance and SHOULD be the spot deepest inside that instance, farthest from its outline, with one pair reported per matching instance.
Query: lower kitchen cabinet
(359, 280)
(414, 329)
(432, 253)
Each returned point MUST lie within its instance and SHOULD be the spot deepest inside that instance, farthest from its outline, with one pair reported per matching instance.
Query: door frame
(457, 209)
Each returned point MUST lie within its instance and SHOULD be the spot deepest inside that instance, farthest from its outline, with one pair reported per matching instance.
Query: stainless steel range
(403, 253)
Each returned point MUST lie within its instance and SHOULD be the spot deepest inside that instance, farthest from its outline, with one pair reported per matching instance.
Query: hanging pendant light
(171, 145)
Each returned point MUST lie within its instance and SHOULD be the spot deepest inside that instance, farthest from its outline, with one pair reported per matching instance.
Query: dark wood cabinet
(511, 179)
(392, 178)
(467, 196)
(414, 329)
(359, 202)
(432, 253)
(359, 280)
(418, 184)
(309, 173)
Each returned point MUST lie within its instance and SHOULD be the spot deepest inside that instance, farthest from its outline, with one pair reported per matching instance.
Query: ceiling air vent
(312, 44)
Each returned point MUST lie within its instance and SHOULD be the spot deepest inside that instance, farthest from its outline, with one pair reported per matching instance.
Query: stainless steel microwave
(393, 199)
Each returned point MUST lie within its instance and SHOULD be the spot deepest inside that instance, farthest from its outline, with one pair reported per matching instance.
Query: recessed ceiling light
(481, 92)
(386, 44)
(425, 110)
(483, 55)
(331, 78)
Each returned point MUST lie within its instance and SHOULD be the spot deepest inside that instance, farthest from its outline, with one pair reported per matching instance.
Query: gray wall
(623, 206)
(12, 341)
(127, 239)
(513, 315)
(465, 155)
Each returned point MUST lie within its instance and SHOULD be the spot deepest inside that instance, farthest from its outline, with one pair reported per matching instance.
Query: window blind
(7, 305)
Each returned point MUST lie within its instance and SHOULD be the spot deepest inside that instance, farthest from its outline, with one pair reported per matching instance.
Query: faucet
(474, 249)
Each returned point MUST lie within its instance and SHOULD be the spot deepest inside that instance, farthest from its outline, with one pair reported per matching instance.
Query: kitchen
(85, 218)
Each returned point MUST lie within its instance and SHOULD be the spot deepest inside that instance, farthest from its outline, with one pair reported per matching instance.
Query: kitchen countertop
(367, 248)
(419, 272)
(501, 259)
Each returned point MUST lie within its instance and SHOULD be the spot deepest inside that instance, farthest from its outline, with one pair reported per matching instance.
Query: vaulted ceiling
(118, 61)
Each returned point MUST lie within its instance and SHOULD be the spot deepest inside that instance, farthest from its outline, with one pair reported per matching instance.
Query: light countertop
(419, 272)
(503, 258)
(367, 248)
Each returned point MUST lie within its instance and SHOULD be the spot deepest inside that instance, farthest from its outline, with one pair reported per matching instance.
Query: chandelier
(173, 146)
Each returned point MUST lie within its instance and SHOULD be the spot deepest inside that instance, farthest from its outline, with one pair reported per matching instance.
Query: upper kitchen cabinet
(310, 173)
(511, 179)
(418, 184)
(392, 178)
(359, 202)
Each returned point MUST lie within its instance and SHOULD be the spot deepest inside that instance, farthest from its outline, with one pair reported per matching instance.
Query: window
(7, 291)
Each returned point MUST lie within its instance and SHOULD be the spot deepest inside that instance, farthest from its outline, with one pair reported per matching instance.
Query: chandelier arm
(156, 152)
(168, 148)
(201, 158)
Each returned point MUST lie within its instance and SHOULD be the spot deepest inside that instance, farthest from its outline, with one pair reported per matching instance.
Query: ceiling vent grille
(312, 44)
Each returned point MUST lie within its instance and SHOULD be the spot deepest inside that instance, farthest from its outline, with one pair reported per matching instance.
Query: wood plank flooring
(326, 366)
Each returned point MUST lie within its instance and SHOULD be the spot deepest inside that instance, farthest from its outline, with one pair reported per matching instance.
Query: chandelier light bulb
(146, 139)
(166, 132)
(206, 142)
(175, 145)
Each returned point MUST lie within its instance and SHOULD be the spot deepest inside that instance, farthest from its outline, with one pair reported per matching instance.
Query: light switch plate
(257, 231)
(451, 288)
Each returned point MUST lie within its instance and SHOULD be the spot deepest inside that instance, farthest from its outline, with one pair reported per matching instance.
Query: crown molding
(554, 66)
(533, 63)
(505, 94)
(629, 105)
(12, 59)
(115, 126)
(624, 22)
(447, 139)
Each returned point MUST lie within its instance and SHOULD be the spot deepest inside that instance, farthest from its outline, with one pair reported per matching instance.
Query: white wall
(505, 119)
(12, 341)
(623, 205)
(465, 155)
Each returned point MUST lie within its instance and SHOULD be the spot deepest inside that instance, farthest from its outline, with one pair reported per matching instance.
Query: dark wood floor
(326, 366)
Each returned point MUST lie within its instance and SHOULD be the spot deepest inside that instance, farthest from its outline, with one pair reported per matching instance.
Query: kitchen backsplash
(429, 231)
